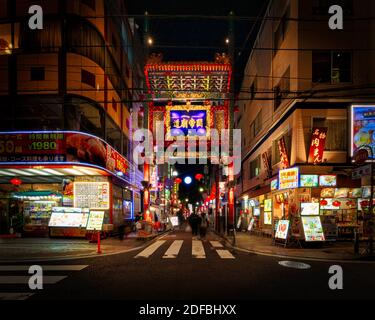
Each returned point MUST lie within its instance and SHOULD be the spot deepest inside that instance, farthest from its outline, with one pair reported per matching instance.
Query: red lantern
(16, 181)
(336, 203)
(199, 176)
(178, 180)
(323, 202)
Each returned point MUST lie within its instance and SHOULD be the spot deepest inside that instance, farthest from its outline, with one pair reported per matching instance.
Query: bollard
(99, 250)
(356, 242)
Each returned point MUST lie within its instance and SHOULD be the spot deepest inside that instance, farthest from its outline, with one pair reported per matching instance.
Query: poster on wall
(288, 178)
(309, 209)
(95, 222)
(328, 180)
(362, 128)
(268, 218)
(93, 195)
(282, 229)
(312, 228)
(268, 205)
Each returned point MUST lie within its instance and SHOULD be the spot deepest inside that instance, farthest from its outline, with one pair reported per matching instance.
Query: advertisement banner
(288, 178)
(313, 229)
(282, 229)
(61, 146)
(284, 159)
(363, 128)
(318, 141)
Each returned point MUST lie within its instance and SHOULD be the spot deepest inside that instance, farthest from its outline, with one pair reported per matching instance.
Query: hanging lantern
(336, 203)
(323, 202)
(199, 176)
(16, 181)
(178, 180)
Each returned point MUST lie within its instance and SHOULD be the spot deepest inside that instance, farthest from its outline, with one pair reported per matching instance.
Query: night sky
(199, 37)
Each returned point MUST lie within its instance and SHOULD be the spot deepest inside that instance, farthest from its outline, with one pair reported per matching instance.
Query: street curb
(262, 253)
(87, 256)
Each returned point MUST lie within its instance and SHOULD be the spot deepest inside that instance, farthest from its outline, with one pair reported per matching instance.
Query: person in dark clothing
(194, 221)
(203, 226)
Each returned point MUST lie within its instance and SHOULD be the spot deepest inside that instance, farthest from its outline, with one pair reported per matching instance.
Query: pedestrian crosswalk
(172, 249)
(14, 279)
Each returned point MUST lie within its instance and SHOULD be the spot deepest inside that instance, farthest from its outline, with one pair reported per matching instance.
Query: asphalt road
(208, 273)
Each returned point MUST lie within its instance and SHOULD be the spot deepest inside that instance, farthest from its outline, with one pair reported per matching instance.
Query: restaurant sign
(60, 146)
(318, 140)
(288, 178)
(284, 159)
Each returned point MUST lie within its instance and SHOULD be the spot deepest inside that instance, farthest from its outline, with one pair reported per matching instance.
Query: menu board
(341, 192)
(251, 224)
(288, 178)
(355, 193)
(327, 193)
(68, 217)
(268, 205)
(312, 227)
(329, 180)
(282, 229)
(310, 209)
(95, 220)
(329, 205)
(93, 195)
(309, 180)
(267, 218)
(256, 212)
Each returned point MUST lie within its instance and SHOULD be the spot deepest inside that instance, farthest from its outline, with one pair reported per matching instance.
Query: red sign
(60, 147)
(318, 141)
(267, 163)
(283, 153)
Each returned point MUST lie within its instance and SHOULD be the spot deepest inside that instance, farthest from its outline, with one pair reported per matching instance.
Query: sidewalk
(262, 245)
(36, 249)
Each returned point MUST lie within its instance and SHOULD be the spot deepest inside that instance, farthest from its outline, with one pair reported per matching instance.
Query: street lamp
(174, 173)
(201, 189)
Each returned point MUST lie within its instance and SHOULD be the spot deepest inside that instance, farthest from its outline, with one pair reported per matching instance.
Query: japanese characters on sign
(284, 159)
(188, 122)
(288, 178)
(318, 140)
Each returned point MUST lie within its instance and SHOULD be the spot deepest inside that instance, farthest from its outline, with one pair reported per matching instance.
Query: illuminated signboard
(362, 128)
(267, 217)
(318, 139)
(188, 120)
(328, 180)
(257, 212)
(268, 205)
(95, 222)
(68, 217)
(61, 146)
(274, 184)
(309, 209)
(288, 178)
(312, 227)
(93, 195)
(309, 180)
(282, 229)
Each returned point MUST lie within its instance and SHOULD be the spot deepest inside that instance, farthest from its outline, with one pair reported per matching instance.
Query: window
(331, 67)
(320, 7)
(282, 90)
(255, 167)
(253, 89)
(37, 74)
(256, 125)
(337, 139)
(88, 78)
(280, 32)
(90, 3)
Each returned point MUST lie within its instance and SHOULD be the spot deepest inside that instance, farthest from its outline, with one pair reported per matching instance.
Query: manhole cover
(294, 264)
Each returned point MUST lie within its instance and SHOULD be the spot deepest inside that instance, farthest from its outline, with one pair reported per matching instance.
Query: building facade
(67, 95)
(300, 84)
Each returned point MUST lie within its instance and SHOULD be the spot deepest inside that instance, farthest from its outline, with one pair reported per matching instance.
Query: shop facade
(62, 175)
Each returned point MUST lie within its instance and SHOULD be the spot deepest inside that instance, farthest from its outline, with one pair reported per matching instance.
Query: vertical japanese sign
(267, 163)
(284, 159)
(318, 141)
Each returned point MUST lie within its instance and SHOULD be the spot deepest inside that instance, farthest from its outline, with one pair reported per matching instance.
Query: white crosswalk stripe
(225, 254)
(173, 250)
(16, 277)
(216, 244)
(197, 250)
(150, 249)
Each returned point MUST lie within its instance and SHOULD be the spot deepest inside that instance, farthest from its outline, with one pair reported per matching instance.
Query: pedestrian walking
(203, 226)
(194, 221)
